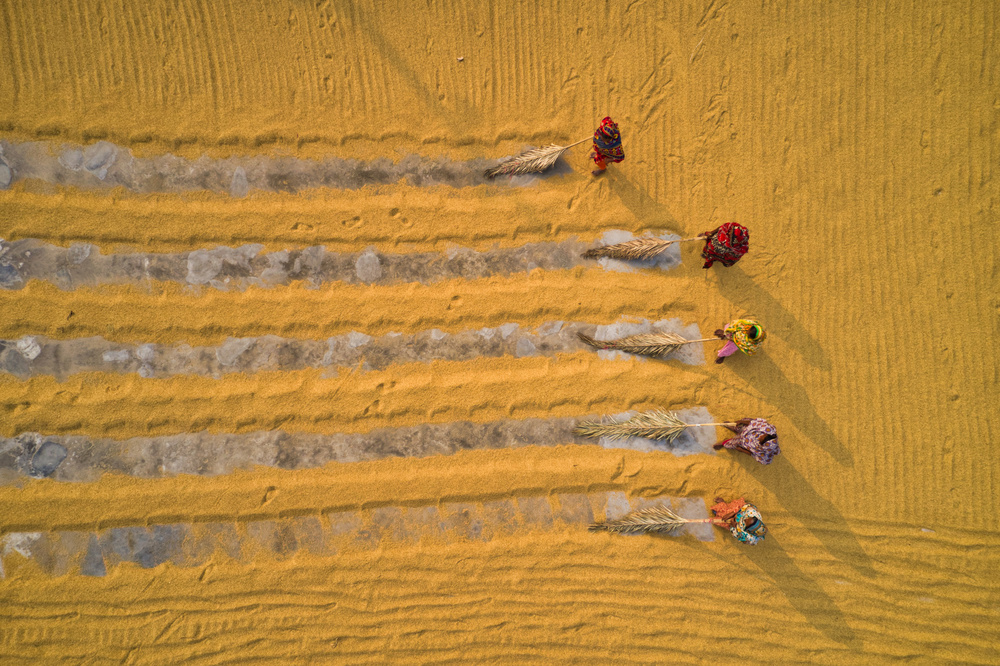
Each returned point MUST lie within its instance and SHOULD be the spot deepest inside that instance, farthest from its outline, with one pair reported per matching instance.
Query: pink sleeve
(728, 349)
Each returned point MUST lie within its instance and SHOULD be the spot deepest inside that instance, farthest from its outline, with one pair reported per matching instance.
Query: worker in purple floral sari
(755, 437)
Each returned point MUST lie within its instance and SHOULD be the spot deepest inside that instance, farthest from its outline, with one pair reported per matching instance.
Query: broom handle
(704, 425)
(579, 142)
(687, 342)
(681, 240)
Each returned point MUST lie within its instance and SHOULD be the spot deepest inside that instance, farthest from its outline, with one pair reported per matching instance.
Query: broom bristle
(531, 161)
(646, 344)
(653, 519)
(657, 424)
(633, 250)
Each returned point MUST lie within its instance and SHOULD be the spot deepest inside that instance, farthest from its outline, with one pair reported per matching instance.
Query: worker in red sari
(607, 146)
(726, 243)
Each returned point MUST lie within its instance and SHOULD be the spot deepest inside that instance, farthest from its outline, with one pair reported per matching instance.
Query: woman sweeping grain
(607, 145)
(755, 437)
(743, 335)
(726, 243)
(740, 517)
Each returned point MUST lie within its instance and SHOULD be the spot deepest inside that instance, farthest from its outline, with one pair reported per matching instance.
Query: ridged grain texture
(857, 140)
(166, 312)
(401, 217)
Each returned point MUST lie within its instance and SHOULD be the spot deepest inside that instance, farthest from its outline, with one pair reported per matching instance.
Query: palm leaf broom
(651, 520)
(638, 249)
(646, 344)
(531, 161)
(658, 424)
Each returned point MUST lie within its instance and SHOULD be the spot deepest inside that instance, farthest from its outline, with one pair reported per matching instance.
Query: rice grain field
(284, 378)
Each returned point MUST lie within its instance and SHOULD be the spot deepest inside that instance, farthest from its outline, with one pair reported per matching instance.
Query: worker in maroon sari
(726, 243)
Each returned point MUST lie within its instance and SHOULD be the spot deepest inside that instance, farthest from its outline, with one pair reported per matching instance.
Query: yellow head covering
(738, 331)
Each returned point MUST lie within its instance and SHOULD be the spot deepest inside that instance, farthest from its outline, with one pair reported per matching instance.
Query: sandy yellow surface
(857, 141)
(395, 219)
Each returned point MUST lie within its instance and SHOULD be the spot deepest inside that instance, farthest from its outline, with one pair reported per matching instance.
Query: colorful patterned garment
(746, 334)
(608, 143)
(748, 526)
(727, 243)
(723, 509)
(750, 438)
(743, 520)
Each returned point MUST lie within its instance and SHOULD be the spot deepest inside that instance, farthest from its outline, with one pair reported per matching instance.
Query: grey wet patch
(535, 511)
(9, 277)
(500, 517)
(232, 349)
(105, 165)
(71, 158)
(311, 536)
(62, 358)
(203, 266)
(574, 508)
(209, 454)
(47, 459)
(227, 268)
(695, 509)
(368, 267)
(146, 546)
(78, 252)
(93, 561)
(98, 158)
(462, 520)
(277, 539)
(616, 505)
(388, 521)
(239, 186)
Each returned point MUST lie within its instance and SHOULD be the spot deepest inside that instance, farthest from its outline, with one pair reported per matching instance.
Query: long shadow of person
(638, 202)
(432, 102)
(802, 592)
(733, 282)
(816, 513)
(769, 561)
(764, 376)
(740, 288)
